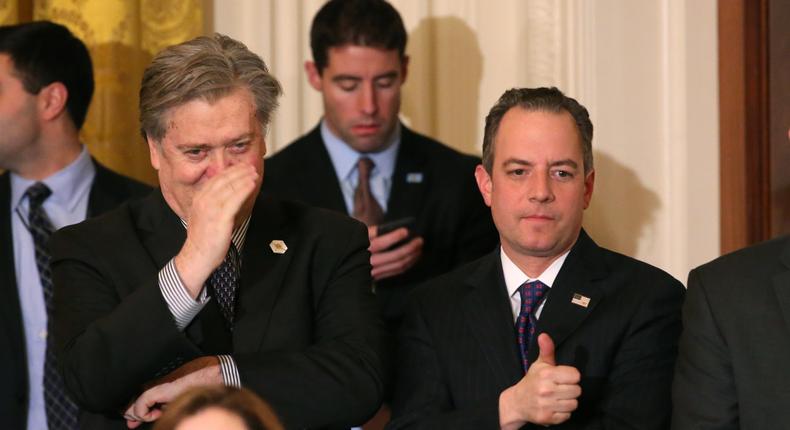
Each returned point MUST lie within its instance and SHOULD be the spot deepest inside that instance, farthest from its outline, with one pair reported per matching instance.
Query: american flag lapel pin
(580, 300)
(414, 178)
(278, 246)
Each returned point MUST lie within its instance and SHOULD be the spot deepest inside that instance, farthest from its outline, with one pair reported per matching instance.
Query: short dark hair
(538, 99)
(373, 23)
(44, 52)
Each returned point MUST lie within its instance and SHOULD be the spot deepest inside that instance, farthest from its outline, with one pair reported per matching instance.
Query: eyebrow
(387, 75)
(517, 161)
(245, 136)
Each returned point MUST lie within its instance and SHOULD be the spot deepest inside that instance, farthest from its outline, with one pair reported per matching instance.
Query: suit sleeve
(422, 400)
(338, 380)
(703, 391)
(108, 345)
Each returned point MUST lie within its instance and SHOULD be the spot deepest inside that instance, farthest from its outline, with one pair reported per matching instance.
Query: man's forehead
(522, 128)
(361, 52)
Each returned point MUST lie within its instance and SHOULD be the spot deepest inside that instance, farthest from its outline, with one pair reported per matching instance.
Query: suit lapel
(163, 235)
(490, 320)
(781, 283)
(321, 182)
(407, 196)
(576, 282)
(262, 273)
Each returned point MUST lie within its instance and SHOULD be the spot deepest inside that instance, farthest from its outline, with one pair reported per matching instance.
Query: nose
(218, 161)
(367, 99)
(540, 190)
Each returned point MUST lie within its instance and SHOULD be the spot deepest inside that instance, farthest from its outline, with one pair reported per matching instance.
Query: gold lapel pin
(278, 246)
(580, 300)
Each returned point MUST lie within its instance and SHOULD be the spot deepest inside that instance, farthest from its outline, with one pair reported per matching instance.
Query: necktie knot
(531, 294)
(365, 165)
(37, 193)
(366, 208)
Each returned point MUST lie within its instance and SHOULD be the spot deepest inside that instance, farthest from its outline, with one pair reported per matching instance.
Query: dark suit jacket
(735, 348)
(447, 205)
(307, 336)
(108, 190)
(458, 343)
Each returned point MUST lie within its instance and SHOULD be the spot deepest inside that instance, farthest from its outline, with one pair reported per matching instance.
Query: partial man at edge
(46, 86)
(731, 371)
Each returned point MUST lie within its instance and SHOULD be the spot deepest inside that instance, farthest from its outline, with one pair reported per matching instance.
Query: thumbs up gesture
(547, 394)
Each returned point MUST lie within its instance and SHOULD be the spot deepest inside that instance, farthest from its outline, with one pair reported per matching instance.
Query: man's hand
(211, 219)
(147, 407)
(390, 262)
(546, 395)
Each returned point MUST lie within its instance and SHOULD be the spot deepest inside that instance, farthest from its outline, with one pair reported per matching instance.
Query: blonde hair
(208, 68)
(253, 411)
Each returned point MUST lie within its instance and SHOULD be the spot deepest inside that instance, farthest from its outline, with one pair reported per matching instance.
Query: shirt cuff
(179, 302)
(230, 373)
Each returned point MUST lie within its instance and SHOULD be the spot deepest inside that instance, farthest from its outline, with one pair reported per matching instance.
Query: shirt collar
(344, 157)
(514, 277)
(69, 185)
(239, 234)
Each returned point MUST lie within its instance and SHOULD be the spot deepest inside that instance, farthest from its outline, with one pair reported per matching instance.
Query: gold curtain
(122, 36)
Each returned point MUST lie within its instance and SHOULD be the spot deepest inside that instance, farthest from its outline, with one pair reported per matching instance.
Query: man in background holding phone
(417, 196)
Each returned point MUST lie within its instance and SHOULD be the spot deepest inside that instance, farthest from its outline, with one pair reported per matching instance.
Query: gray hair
(208, 68)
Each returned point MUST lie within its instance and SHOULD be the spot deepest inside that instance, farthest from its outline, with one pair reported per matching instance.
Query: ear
(484, 183)
(589, 184)
(155, 152)
(313, 75)
(404, 68)
(52, 101)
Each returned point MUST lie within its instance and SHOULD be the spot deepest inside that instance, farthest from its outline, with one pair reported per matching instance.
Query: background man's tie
(224, 283)
(61, 411)
(366, 208)
(531, 293)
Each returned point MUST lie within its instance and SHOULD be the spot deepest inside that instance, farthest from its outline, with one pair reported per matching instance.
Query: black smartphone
(391, 226)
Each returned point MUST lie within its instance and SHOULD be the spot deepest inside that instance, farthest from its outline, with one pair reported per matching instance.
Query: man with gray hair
(205, 282)
(550, 328)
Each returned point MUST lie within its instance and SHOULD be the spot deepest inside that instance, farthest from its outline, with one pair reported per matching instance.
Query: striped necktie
(531, 293)
(61, 411)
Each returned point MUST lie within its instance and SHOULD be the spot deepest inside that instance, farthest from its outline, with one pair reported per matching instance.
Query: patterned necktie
(61, 411)
(225, 284)
(366, 208)
(531, 293)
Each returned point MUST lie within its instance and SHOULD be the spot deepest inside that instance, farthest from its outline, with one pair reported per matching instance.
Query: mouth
(365, 129)
(539, 218)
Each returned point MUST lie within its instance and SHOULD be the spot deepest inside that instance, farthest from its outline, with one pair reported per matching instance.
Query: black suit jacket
(449, 210)
(458, 344)
(108, 190)
(307, 336)
(735, 348)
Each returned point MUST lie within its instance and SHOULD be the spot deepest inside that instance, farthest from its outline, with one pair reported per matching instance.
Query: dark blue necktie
(224, 282)
(531, 293)
(61, 411)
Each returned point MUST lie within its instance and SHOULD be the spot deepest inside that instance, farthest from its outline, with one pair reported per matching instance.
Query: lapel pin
(414, 178)
(278, 246)
(580, 300)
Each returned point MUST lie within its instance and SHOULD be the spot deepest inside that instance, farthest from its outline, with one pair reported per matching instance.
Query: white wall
(646, 70)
